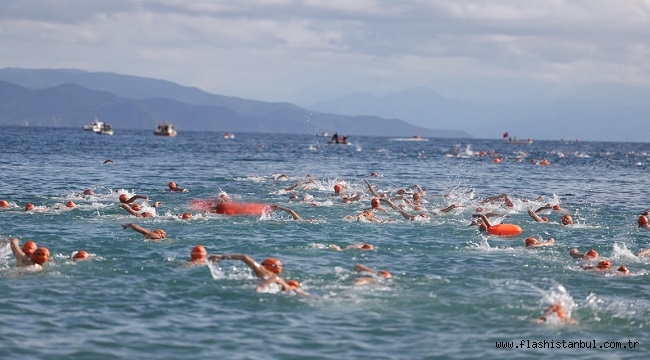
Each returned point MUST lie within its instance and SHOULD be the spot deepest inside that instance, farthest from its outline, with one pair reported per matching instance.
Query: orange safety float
(504, 229)
(242, 209)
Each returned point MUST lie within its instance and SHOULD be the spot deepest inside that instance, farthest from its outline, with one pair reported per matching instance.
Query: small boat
(165, 129)
(106, 129)
(229, 136)
(96, 126)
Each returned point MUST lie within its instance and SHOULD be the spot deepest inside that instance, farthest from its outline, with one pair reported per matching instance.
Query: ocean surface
(455, 292)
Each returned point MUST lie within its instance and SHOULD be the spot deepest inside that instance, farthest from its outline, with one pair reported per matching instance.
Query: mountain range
(72, 98)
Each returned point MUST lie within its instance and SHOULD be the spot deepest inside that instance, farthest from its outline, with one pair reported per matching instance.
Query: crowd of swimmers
(409, 203)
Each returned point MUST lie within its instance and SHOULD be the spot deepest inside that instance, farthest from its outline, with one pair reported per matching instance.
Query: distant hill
(71, 98)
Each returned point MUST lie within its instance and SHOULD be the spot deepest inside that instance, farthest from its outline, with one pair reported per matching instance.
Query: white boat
(165, 129)
(96, 126)
(229, 136)
(106, 129)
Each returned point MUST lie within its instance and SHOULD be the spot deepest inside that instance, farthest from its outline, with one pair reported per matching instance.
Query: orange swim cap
(80, 255)
(29, 247)
(40, 255)
(556, 308)
(70, 204)
(273, 265)
(123, 198)
(643, 220)
(544, 218)
(293, 283)
(385, 274)
(367, 247)
(4, 203)
(172, 185)
(556, 207)
(29, 207)
(417, 196)
(375, 202)
(338, 189)
(623, 269)
(604, 265)
(186, 215)
(567, 220)
(198, 253)
(592, 254)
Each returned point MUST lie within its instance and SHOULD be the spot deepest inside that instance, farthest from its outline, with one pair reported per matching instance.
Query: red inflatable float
(242, 209)
(504, 229)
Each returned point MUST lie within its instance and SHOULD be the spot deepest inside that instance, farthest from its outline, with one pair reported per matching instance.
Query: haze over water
(455, 292)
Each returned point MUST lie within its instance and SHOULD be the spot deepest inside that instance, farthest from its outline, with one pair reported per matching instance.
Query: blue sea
(455, 292)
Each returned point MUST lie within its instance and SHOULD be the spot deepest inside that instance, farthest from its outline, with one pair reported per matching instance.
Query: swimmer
(4, 203)
(375, 205)
(542, 219)
(34, 257)
(124, 199)
(495, 198)
(555, 310)
(185, 216)
(368, 275)
(29, 207)
(109, 161)
(603, 265)
(173, 187)
(555, 207)
(88, 192)
(532, 242)
(130, 210)
(157, 234)
(270, 268)
(643, 222)
(623, 270)
(338, 191)
(644, 253)
(293, 214)
(567, 219)
(352, 246)
(301, 183)
(589, 255)
(79, 255)
(198, 255)
(290, 286)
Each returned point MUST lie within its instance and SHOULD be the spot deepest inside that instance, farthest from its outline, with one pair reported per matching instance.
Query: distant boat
(518, 141)
(106, 129)
(96, 126)
(338, 139)
(412, 138)
(229, 136)
(165, 129)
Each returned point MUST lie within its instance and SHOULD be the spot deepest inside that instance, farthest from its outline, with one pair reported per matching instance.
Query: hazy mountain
(48, 98)
(603, 112)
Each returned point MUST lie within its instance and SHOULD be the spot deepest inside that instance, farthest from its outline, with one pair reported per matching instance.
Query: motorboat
(106, 129)
(165, 129)
(96, 126)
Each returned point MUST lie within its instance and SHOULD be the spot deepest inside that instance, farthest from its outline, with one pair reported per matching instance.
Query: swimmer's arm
(535, 216)
(135, 197)
(15, 248)
(406, 215)
(288, 211)
(486, 221)
(129, 210)
(372, 189)
(545, 207)
(391, 204)
(420, 190)
(136, 227)
(360, 268)
(450, 208)
(355, 197)
(242, 257)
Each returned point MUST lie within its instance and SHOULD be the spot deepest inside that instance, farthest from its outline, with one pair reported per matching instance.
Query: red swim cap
(29, 247)
(123, 198)
(385, 274)
(338, 189)
(4, 203)
(80, 255)
(604, 265)
(172, 185)
(29, 207)
(293, 283)
(643, 220)
(531, 241)
(70, 204)
(186, 215)
(198, 253)
(367, 247)
(592, 253)
(40, 255)
(273, 265)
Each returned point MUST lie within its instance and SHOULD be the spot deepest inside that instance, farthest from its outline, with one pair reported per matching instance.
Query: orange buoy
(242, 209)
(504, 229)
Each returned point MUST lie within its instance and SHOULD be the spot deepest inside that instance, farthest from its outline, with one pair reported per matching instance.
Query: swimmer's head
(367, 247)
(223, 196)
(557, 309)
(479, 209)
(338, 189)
(643, 221)
(531, 241)
(401, 192)
(29, 207)
(556, 207)
(293, 283)
(509, 202)
(273, 265)
(123, 198)
(604, 265)
(623, 269)
(172, 185)
(29, 247)
(375, 203)
(40, 255)
(4, 203)
(186, 216)
(70, 204)
(592, 254)
(482, 227)
(417, 196)
(198, 253)
(385, 274)
(80, 255)
(89, 192)
(567, 220)
(544, 218)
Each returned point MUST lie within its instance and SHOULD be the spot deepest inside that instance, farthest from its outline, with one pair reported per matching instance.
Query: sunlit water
(455, 292)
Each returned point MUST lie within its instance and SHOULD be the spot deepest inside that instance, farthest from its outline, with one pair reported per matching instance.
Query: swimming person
(368, 275)
(555, 311)
(589, 255)
(157, 234)
(132, 210)
(270, 267)
(173, 187)
(352, 246)
(34, 258)
(533, 242)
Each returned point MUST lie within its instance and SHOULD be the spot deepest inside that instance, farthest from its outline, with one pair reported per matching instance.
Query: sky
(308, 51)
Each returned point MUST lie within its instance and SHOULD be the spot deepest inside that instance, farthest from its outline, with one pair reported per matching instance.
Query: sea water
(455, 292)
